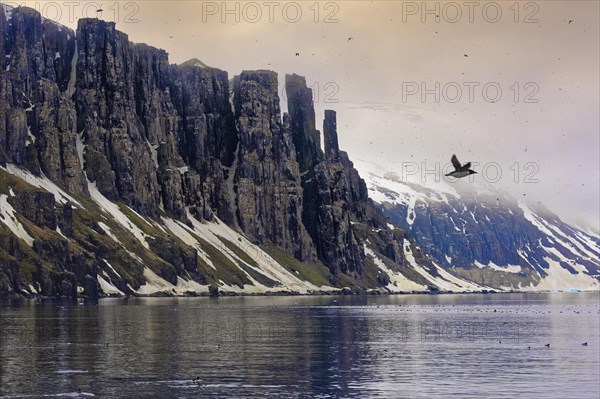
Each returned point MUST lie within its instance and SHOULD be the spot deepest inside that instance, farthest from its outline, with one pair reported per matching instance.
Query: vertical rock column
(307, 144)
(207, 139)
(336, 244)
(332, 148)
(117, 157)
(37, 123)
(269, 193)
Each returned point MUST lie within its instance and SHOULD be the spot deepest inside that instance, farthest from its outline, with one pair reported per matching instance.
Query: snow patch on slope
(42, 182)
(73, 78)
(113, 210)
(153, 153)
(181, 231)
(108, 288)
(492, 265)
(445, 281)
(80, 148)
(267, 266)
(560, 279)
(155, 284)
(386, 186)
(112, 268)
(9, 218)
(398, 282)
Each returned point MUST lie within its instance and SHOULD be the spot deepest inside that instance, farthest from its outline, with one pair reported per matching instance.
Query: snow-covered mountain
(485, 235)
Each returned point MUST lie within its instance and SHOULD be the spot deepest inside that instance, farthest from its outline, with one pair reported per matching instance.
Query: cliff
(124, 174)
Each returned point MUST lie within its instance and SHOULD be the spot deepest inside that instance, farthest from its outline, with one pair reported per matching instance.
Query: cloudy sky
(513, 88)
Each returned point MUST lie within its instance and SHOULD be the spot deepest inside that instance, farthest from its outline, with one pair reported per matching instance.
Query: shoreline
(287, 294)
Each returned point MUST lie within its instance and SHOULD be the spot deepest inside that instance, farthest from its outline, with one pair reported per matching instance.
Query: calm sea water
(464, 346)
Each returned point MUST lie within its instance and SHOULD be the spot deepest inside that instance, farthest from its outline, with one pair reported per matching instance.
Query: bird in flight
(460, 170)
(350, 38)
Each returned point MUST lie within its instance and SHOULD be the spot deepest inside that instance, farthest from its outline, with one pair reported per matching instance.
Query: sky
(511, 86)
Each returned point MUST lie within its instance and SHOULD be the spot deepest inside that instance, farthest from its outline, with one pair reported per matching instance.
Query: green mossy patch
(239, 252)
(227, 271)
(314, 273)
(140, 223)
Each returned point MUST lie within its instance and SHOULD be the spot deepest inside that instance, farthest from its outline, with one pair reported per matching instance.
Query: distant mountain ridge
(485, 235)
(123, 174)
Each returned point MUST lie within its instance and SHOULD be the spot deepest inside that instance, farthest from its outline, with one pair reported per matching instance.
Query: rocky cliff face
(123, 174)
(158, 148)
(37, 124)
(336, 206)
(155, 134)
(267, 177)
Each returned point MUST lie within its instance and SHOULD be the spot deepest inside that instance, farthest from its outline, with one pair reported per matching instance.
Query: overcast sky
(542, 55)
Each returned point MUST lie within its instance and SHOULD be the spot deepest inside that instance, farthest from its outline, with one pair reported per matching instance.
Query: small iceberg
(572, 290)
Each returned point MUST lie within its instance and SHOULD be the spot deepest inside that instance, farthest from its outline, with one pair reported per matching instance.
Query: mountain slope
(485, 235)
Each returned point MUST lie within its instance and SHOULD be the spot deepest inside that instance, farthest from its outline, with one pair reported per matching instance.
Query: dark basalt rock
(90, 287)
(66, 221)
(37, 206)
(184, 260)
(105, 100)
(267, 179)
(52, 122)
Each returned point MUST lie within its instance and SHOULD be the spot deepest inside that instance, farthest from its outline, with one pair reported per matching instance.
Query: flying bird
(466, 55)
(297, 54)
(460, 170)
(99, 10)
(350, 38)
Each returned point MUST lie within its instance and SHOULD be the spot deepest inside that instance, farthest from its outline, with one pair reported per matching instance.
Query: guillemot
(460, 170)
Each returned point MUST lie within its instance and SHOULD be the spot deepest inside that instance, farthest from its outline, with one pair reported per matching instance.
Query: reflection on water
(304, 347)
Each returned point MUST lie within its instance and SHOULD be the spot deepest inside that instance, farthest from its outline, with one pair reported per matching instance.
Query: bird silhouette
(460, 170)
